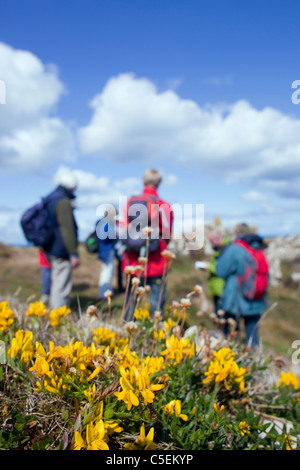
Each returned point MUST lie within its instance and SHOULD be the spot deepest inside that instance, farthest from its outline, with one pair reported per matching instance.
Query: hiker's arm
(65, 220)
(227, 263)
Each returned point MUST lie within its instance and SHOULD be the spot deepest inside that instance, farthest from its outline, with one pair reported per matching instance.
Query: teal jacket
(230, 265)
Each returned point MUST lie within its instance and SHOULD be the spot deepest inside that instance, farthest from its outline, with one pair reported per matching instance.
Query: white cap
(68, 180)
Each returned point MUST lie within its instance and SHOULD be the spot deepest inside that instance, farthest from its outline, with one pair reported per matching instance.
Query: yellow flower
(244, 428)
(154, 364)
(41, 366)
(109, 425)
(96, 372)
(6, 316)
(90, 393)
(128, 358)
(38, 309)
(141, 314)
(178, 349)
(95, 437)
(22, 345)
(288, 380)
(104, 335)
(79, 442)
(288, 442)
(159, 334)
(136, 385)
(224, 370)
(39, 387)
(168, 325)
(218, 408)
(143, 442)
(112, 426)
(55, 384)
(172, 407)
(56, 315)
(40, 350)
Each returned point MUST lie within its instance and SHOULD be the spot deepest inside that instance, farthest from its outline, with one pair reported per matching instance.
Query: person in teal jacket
(230, 265)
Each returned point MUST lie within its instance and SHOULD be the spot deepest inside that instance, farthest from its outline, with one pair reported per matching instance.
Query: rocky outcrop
(283, 249)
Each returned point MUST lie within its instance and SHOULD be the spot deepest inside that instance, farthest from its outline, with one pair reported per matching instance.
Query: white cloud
(30, 135)
(95, 190)
(219, 80)
(170, 180)
(254, 196)
(131, 120)
(10, 227)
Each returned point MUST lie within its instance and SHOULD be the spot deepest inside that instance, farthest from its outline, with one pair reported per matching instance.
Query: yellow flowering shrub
(57, 314)
(136, 386)
(178, 349)
(22, 346)
(104, 335)
(142, 314)
(223, 370)
(288, 379)
(6, 316)
(38, 309)
(174, 407)
(140, 386)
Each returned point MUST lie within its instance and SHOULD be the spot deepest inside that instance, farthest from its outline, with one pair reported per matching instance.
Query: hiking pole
(274, 305)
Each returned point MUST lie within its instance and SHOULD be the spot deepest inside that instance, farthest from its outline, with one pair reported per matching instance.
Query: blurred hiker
(107, 232)
(243, 229)
(62, 253)
(159, 216)
(215, 284)
(45, 277)
(243, 266)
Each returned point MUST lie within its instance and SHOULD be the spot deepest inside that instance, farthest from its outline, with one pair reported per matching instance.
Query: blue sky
(200, 90)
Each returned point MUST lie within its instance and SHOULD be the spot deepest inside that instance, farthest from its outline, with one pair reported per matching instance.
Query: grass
(20, 276)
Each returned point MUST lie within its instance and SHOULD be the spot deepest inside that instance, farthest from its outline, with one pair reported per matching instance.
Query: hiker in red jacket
(160, 211)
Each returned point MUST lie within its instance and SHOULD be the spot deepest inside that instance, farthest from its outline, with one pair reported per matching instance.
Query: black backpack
(37, 225)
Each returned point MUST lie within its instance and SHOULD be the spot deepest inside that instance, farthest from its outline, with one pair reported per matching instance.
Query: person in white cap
(63, 251)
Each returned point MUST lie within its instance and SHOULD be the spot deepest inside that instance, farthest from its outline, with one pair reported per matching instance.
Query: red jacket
(43, 262)
(155, 261)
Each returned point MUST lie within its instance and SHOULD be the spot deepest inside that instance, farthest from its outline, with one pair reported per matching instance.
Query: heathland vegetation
(79, 378)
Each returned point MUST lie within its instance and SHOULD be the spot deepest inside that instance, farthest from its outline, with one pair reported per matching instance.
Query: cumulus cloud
(254, 196)
(219, 80)
(30, 134)
(170, 180)
(95, 190)
(131, 120)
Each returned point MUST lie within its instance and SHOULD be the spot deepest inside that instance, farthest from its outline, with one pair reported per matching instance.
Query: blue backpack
(37, 225)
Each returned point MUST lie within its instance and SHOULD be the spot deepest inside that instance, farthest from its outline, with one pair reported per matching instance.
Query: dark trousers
(46, 280)
(251, 328)
(157, 297)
